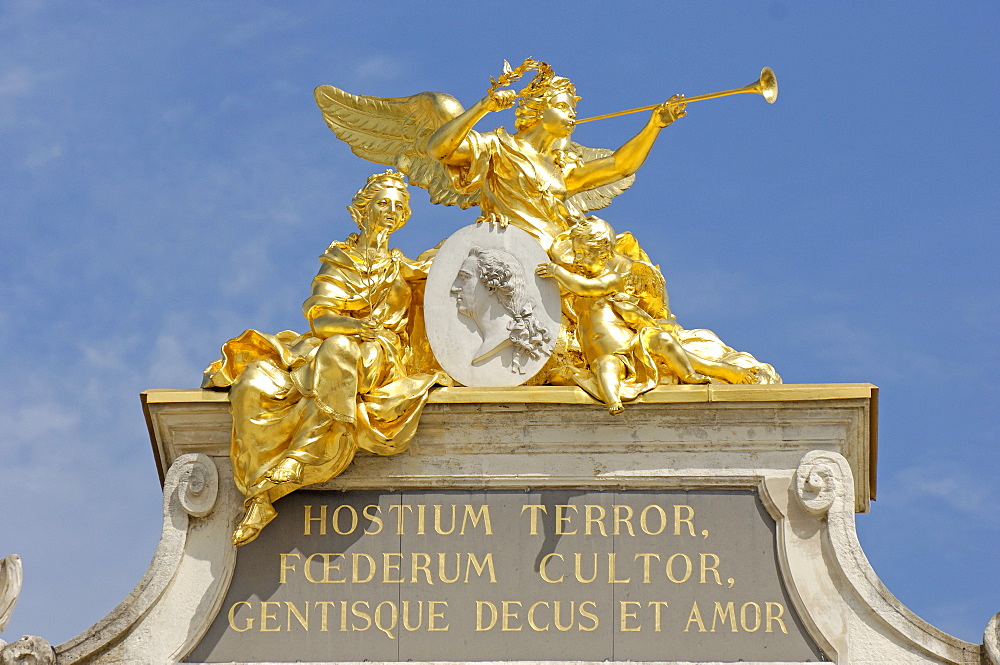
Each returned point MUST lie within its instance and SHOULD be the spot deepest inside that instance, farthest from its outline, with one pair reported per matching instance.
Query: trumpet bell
(768, 85)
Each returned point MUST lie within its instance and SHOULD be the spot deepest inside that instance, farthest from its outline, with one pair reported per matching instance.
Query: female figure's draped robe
(310, 399)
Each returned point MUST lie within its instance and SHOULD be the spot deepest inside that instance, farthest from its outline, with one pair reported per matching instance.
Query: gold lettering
(695, 617)
(509, 615)
(336, 519)
(589, 615)
(560, 518)
(416, 567)
(646, 556)
(579, 573)
(479, 615)
(324, 608)
(406, 615)
(343, 616)
(743, 617)
(356, 557)
(687, 568)
(361, 615)
(431, 615)
(534, 508)
(294, 611)
(612, 573)
(306, 530)
(775, 617)
(678, 520)
(264, 616)
(656, 604)
(590, 519)
(721, 613)
(388, 567)
(373, 516)
(714, 568)
(626, 615)
(399, 521)
(484, 514)
(421, 508)
(626, 520)
(543, 571)
(557, 613)
(531, 616)
(643, 520)
(472, 562)
(393, 615)
(437, 520)
(441, 570)
(284, 567)
(232, 612)
(327, 567)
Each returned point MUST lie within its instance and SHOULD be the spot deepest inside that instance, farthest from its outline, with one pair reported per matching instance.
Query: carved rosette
(820, 479)
(198, 485)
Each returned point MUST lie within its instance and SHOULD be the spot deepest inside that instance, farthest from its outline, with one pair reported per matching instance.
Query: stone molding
(855, 618)
(805, 449)
(185, 582)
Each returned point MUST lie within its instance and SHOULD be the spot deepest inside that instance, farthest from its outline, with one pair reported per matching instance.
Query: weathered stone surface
(805, 452)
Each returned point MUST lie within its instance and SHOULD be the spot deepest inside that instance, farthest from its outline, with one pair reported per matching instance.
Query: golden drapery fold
(319, 401)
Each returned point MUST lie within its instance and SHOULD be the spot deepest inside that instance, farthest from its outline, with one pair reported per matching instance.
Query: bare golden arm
(449, 144)
(589, 287)
(627, 159)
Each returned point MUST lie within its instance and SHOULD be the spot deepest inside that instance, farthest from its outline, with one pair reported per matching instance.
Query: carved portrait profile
(490, 320)
(490, 289)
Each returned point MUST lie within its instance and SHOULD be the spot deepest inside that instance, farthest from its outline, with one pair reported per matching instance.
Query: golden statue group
(304, 404)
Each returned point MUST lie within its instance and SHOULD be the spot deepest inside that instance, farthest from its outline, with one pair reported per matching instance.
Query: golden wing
(394, 131)
(599, 197)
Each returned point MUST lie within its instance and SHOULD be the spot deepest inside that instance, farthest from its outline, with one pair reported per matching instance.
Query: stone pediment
(712, 524)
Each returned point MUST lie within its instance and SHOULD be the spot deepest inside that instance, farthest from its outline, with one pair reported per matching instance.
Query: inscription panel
(569, 575)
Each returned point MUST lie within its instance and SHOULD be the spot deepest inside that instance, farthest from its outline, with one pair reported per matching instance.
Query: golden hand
(670, 110)
(495, 219)
(545, 270)
(499, 100)
(369, 329)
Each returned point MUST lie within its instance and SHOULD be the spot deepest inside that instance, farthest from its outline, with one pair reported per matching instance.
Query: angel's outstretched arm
(449, 144)
(627, 159)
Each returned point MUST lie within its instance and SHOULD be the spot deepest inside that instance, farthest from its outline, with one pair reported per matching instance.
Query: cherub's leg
(609, 371)
(727, 372)
(677, 359)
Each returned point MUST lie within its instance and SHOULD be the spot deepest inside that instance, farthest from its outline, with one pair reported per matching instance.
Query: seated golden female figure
(303, 405)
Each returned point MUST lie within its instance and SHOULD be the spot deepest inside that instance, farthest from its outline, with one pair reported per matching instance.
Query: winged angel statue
(537, 179)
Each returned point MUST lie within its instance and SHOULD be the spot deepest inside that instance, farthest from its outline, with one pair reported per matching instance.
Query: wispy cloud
(380, 68)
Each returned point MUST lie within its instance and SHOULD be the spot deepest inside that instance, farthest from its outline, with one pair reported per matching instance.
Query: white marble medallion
(490, 320)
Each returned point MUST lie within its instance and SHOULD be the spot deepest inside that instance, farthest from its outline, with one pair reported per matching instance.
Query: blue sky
(166, 181)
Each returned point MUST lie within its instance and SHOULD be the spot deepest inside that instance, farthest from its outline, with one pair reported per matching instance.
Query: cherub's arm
(449, 143)
(590, 287)
(627, 159)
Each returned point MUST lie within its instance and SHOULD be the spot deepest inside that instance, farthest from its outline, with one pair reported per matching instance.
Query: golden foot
(285, 471)
(259, 513)
(696, 378)
(244, 534)
(748, 375)
(616, 408)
